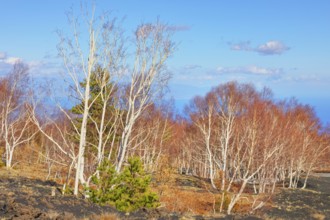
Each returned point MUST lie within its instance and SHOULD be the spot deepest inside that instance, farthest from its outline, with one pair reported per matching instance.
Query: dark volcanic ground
(24, 198)
(310, 203)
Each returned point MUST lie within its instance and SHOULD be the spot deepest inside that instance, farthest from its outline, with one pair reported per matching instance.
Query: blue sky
(280, 44)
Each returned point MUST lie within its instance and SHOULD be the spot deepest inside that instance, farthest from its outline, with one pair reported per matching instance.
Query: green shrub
(102, 192)
(127, 191)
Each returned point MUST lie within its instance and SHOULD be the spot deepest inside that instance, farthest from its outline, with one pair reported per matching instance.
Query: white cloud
(12, 60)
(4, 59)
(256, 70)
(6, 62)
(37, 68)
(272, 47)
(262, 71)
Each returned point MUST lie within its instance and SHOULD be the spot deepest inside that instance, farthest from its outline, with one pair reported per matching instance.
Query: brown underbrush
(188, 194)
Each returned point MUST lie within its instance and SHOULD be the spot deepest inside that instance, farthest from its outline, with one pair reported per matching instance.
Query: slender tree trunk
(123, 147)
(9, 156)
(101, 132)
(82, 141)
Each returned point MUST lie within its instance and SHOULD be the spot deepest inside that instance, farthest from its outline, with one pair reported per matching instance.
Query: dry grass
(318, 216)
(188, 201)
(176, 197)
(35, 171)
(198, 198)
(106, 216)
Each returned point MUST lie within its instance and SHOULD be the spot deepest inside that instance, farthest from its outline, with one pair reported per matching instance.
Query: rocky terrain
(25, 198)
(310, 203)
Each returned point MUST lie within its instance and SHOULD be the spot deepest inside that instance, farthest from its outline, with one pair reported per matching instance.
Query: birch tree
(150, 136)
(15, 119)
(103, 48)
(148, 79)
(203, 116)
